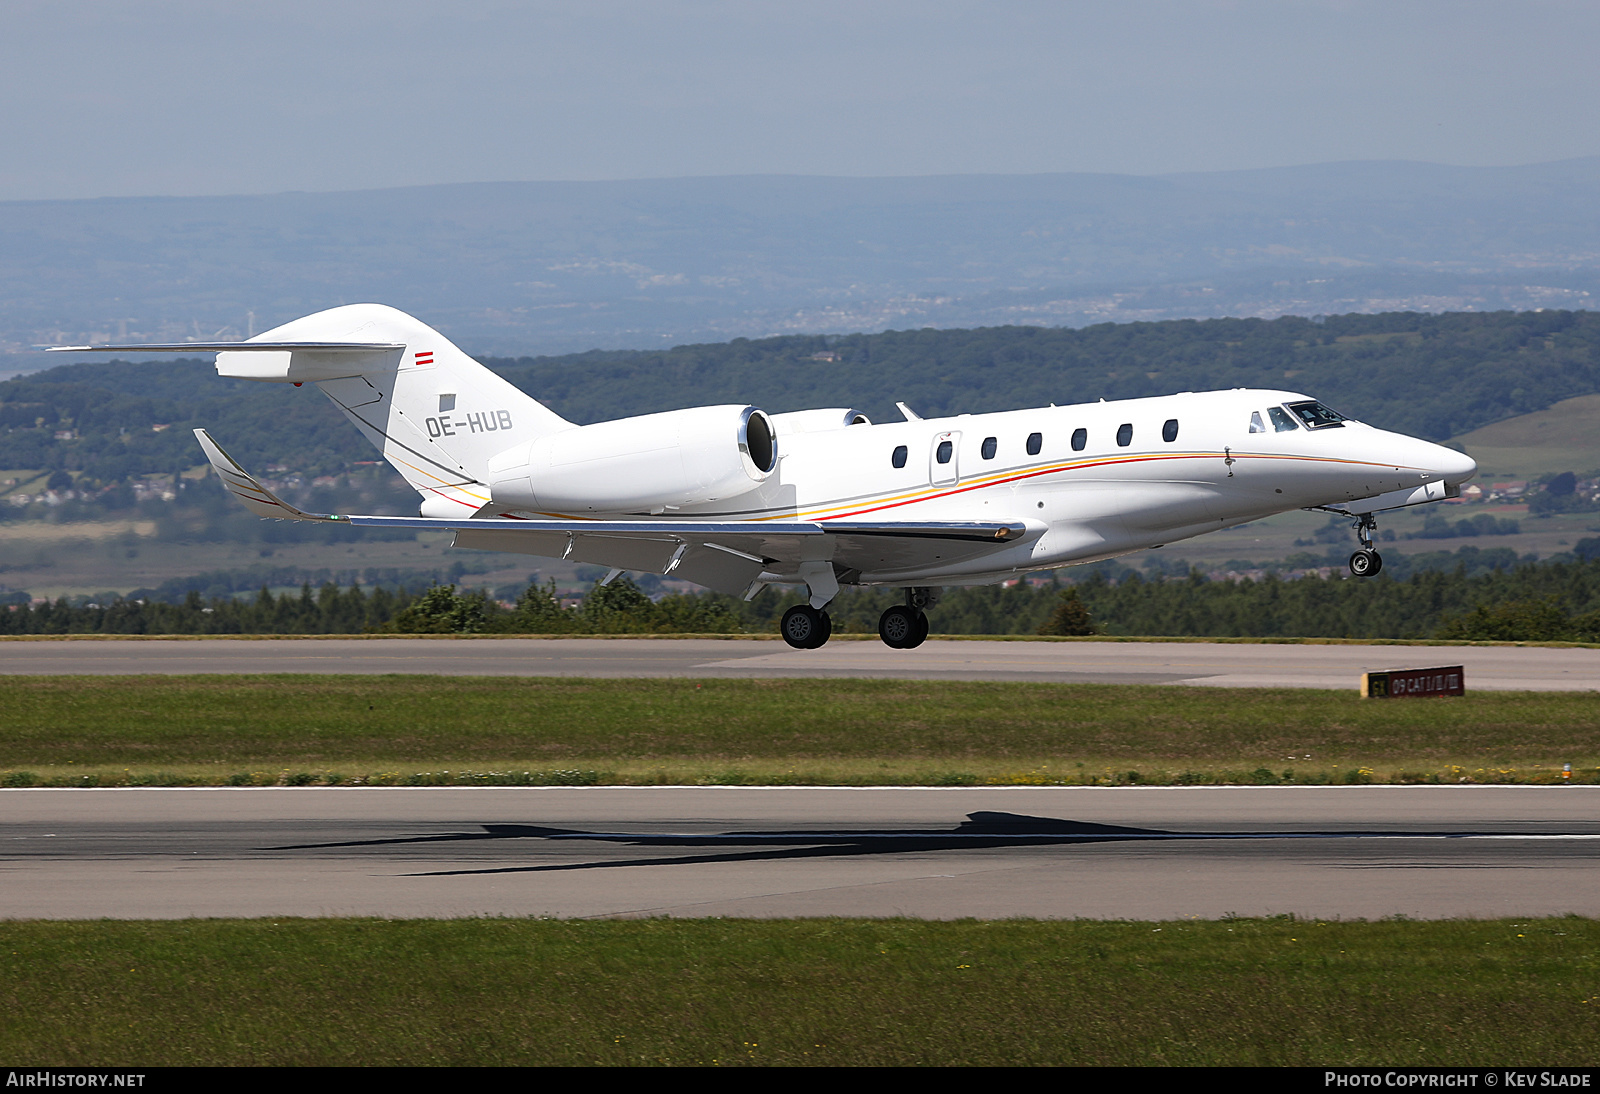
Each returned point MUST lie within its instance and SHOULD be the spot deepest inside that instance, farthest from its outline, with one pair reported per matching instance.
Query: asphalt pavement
(940, 853)
(1217, 664)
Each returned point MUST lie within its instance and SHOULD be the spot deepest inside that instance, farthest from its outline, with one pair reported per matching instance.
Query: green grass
(251, 730)
(747, 992)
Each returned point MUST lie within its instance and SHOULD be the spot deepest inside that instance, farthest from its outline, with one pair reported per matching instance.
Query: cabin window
(1035, 442)
(1256, 424)
(1169, 431)
(1080, 438)
(944, 452)
(990, 446)
(1281, 422)
(1125, 434)
(899, 457)
(1318, 416)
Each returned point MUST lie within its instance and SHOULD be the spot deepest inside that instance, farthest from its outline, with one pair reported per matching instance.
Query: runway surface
(1497, 668)
(1134, 853)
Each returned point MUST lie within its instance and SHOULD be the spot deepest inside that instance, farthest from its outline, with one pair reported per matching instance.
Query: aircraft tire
(805, 628)
(1366, 563)
(824, 631)
(898, 627)
(922, 632)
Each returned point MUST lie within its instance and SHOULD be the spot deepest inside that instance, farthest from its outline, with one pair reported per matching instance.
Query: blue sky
(173, 97)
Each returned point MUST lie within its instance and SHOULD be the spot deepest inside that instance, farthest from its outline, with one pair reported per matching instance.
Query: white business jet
(733, 498)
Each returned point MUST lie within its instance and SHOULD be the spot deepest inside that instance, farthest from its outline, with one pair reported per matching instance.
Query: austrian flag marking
(424, 357)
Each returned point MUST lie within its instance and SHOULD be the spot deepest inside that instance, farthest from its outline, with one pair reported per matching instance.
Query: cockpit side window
(1256, 424)
(1317, 416)
(1281, 422)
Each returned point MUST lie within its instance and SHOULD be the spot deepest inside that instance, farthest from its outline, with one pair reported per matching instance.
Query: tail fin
(436, 414)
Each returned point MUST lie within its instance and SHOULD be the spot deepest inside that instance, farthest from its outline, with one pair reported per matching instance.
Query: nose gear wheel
(1366, 563)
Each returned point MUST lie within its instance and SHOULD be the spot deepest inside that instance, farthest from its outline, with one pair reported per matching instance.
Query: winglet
(909, 414)
(242, 485)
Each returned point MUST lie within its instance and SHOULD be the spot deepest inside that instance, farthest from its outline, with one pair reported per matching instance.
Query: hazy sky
(182, 97)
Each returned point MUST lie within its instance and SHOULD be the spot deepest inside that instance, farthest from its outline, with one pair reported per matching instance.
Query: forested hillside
(1434, 376)
(1557, 600)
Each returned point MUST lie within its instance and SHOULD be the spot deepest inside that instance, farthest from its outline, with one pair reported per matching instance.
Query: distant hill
(1564, 437)
(1435, 376)
(520, 267)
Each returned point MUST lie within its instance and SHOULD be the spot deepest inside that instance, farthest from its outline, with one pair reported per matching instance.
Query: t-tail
(436, 414)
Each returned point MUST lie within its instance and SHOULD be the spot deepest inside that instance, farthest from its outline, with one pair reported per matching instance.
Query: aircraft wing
(242, 485)
(727, 556)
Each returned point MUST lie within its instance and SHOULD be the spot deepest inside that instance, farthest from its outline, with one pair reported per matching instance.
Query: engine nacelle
(818, 421)
(653, 462)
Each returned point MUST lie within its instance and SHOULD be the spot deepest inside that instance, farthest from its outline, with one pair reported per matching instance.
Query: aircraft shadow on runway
(979, 830)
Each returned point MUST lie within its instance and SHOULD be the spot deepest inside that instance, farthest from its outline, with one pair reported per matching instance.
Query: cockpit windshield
(1281, 422)
(1317, 416)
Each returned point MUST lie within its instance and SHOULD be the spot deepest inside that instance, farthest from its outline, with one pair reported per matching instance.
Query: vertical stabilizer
(436, 414)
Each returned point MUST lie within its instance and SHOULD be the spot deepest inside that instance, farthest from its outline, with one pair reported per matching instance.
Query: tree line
(1557, 600)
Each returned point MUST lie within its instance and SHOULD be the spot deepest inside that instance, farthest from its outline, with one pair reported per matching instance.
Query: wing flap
(736, 547)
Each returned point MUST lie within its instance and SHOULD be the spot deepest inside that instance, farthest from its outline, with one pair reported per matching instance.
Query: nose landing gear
(906, 627)
(1367, 561)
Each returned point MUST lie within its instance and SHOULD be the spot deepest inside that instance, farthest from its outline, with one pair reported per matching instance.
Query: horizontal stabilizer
(233, 347)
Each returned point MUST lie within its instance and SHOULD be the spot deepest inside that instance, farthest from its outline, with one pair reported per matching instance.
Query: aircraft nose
(1455, 467)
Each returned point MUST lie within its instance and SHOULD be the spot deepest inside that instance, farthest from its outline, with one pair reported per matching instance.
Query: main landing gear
(906, 627)
(902, 627)
(805, 627)
(1366, 562)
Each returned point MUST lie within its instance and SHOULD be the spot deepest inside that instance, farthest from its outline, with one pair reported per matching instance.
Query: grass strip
(419, 730)
(783, 992)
